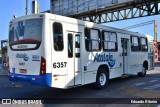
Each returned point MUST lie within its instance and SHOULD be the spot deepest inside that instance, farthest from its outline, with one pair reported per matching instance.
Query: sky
(9, 8)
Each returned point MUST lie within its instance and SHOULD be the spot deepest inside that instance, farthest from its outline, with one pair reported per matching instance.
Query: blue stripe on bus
(45, 80)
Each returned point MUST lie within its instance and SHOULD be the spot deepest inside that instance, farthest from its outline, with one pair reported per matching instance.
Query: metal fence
(70, 7)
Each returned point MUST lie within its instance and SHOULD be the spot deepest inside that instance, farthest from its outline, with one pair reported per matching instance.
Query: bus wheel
(102, 79)
(143, 73)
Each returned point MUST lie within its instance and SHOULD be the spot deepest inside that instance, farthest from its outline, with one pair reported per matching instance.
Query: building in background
(156, 48)
(157, 51)
(4, 44)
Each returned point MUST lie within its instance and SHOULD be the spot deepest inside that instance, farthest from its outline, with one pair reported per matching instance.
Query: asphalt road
(130, 87)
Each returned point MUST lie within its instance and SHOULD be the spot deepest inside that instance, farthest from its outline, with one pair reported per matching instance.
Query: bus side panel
(89, 66)
(137, 60)
(117, 70)
(92, 61)
(47, 49)
(136, 64)
(59, 59)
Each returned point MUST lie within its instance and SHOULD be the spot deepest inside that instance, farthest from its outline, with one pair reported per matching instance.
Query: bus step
(125, 75)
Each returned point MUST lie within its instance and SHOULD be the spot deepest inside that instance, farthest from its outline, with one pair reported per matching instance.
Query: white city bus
(62, 52)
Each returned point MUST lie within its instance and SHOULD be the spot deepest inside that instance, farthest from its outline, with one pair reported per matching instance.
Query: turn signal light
(43, 66)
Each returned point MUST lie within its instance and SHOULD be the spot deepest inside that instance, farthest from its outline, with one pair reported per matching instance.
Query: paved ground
(131, 87)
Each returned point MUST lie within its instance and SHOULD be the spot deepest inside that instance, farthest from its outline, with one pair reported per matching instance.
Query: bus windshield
(25, 34)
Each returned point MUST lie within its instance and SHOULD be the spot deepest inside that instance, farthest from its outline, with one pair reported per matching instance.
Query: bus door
(151, 56)
(74, 66)
(124, 45)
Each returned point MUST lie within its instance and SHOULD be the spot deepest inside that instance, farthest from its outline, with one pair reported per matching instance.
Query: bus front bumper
(45, 80)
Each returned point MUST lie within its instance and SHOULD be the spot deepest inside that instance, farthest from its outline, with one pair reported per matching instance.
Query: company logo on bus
(23, 56)
(105, 58)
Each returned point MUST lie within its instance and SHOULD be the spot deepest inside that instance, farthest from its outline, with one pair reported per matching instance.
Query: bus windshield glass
(25, 34)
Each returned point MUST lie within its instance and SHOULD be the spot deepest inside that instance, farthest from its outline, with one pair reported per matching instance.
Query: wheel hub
(102, 79)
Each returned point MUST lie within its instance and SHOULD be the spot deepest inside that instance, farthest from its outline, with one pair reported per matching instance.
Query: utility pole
(155, 31)
(26, 7)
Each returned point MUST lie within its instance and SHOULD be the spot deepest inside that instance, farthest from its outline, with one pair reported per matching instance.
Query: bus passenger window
(134, 43)
(92, 39)
(70, 45)
(87, 39)
(144, 46)
(58, 36)
(109, 41)
(77, 45)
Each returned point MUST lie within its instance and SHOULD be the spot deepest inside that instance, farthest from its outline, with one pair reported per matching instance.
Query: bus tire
(143, 73)
(102, 79)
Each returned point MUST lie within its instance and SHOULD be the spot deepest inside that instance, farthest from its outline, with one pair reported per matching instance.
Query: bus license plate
(24, 71)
